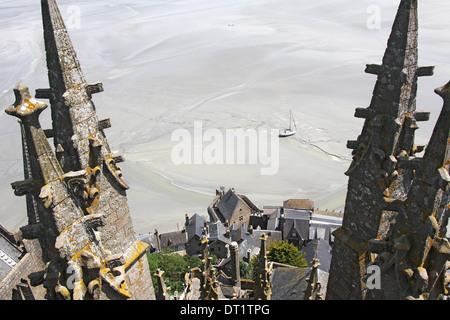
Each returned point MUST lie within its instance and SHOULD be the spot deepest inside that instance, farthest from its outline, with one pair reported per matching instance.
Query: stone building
(196, 228)
(397, 203)
(230, 208)
(322, 227)
(299, 204)
(218, 240)
(299, 223)
(175, 240)
(10, 252)
(18, 259)
(295, 226)
(76, 196)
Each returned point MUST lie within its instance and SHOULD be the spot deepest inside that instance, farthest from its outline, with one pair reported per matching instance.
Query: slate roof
(272, 236)
(319, 218)
(251, 243)
(172, 239)
(217, 232)
(298, 220)
(144, 238)
(227, 205)
(195, 227)
(301, 226)
(149, 238)
(321, 250)
(297, 214)
(238, 235)
(290, 283)
(322, 227)
(274, 213)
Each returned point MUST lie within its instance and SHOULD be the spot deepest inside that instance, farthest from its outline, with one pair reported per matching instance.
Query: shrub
(282, 252)
(175, 266)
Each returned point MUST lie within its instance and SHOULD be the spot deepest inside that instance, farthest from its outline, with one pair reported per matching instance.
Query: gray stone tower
(397, 203)
(76, 196)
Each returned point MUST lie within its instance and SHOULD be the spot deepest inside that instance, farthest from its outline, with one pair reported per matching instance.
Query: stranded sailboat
(290, 131)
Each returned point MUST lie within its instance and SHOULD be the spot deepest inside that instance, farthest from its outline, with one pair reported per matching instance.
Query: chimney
(187, 219)
(235, 271)
(220, 192)
(158, 243)
(206, 228)
(249, 253)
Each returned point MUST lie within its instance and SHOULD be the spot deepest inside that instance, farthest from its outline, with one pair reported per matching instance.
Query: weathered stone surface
(397, 204)
(82, 217)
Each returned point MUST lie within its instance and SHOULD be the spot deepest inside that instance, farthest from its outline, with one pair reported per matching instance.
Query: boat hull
(286, 133)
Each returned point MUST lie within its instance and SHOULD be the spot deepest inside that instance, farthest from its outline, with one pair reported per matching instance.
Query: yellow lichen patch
(124, 291)
(428, 244)
(28, 104)
(447, 163)
(63, 291)
(77, 254)
(77, 88)
(24, 105)
(79, 291)
(135, 253)
(108, 276)
(141, 268)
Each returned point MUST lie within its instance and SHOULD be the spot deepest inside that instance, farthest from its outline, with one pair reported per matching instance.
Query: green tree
(174, 266)
(245, 270)
(287, 253)
(282, 252)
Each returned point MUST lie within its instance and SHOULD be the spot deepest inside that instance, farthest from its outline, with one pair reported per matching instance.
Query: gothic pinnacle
(444, 91)
(25, 107)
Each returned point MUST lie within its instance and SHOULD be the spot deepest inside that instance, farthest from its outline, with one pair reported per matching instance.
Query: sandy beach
(229, 64)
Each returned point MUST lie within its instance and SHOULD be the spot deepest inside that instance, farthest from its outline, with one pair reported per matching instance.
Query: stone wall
(31, 262)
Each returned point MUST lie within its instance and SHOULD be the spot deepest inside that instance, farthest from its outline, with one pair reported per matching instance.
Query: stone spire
(32, 214)
(82, 219)
(55, 212)
(41, 167)
(430, 184)
(413, 256)
(70, 96)
(263, 287)
(437, 143)
(375, 178)
(76, 129)
(314, 286)
(162, 293)
(68, 235)
(209, 286)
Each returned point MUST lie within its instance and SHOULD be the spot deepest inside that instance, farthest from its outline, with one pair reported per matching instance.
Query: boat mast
(290, 120)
